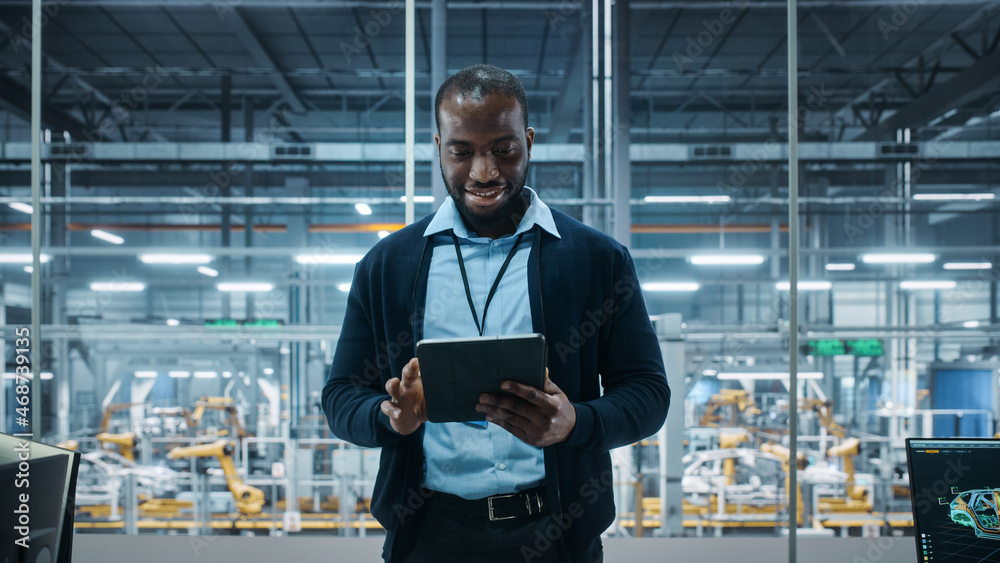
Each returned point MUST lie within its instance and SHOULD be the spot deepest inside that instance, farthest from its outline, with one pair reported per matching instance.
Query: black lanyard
(496, 282)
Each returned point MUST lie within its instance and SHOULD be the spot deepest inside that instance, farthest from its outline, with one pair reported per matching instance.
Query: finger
(526, 392)
(390, 410)
(512, 421)
(550, 387)
(411, 372)
(392, 388)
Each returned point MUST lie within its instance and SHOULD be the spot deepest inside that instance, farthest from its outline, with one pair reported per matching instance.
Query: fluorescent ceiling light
(727, 259)
(175, 258)
(927, 284)
(173, 322)
(383, 234)
(244, 286)
(847, 267)
(29, 269)
(146, 374)
(284, 350)
(21, 258)
(205, 374)
(117, 286)
(328, 258)
(227, 374)
(345, 287)
(970, 324)
(805, 285)
(898, 258)
(268, 371)
(179, 374)
(770, 375)
(43, 375)
(22, 207)
(967, 266)
(417, 199)
(953, 197)
(710, 373)
(363, 208)
(104, 235)
(208, 271)
(687, 199)
(671, 286)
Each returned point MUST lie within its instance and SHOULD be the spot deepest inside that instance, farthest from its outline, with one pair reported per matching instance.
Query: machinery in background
(224, 404)
(739, 401)
(124, 443)
(249, 499)
(785, 455)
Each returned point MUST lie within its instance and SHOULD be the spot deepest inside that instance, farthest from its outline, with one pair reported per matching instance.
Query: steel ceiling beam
(260, 54)
(977, 80)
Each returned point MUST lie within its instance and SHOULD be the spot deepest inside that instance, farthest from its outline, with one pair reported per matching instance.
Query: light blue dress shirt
(475, 459)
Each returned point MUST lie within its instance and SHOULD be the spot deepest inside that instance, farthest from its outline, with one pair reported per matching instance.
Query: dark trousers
(450, 533)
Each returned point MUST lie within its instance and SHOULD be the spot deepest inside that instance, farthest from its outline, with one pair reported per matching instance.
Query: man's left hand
(537, 417)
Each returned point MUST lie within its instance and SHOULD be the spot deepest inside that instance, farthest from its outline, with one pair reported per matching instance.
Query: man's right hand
(407, 410)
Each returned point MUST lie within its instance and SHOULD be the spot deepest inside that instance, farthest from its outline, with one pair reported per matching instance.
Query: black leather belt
(497, 507)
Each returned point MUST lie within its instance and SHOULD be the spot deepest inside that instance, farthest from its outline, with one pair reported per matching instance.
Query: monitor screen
(955, 489)
(38, 496)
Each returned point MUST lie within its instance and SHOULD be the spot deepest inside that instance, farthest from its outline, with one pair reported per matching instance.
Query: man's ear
(437, 141)
(530, 136)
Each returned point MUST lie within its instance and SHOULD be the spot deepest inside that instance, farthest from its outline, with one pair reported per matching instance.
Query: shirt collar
(447, 218)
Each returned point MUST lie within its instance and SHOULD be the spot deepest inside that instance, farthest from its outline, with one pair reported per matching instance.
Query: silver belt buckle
(489, 505)
(527, 505)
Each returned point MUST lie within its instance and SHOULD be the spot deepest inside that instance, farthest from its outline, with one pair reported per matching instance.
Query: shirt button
(502, 466)
(496, 243)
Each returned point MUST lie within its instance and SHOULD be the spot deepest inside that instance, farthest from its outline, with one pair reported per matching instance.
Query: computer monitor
(38, 500)
(955, 489)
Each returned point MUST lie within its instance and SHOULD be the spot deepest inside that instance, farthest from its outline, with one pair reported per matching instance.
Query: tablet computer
(456, 371)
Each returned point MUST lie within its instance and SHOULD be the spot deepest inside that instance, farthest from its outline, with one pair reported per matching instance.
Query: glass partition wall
(211, 172)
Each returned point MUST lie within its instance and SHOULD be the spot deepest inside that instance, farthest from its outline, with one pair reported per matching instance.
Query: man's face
(484, 150)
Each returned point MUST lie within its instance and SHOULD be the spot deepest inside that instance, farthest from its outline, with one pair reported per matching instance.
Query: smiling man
(532, 483)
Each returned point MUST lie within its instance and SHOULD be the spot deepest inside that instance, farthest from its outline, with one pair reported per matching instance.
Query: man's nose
(483, 169)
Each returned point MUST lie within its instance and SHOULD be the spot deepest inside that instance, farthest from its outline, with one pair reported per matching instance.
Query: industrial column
(671, 436)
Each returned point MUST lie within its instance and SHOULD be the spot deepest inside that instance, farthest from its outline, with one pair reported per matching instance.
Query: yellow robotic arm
(847, 450)
(786, 456)
(249, 499)
(125, 443)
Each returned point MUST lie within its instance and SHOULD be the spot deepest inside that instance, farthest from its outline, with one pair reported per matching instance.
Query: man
(533, 483)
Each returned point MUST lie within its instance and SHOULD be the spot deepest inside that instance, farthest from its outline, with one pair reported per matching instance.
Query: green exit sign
(254, 323)
(827, 348)
(865, 347)
(834, 347)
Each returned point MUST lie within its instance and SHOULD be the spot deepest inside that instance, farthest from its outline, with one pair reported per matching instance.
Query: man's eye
(460, 154)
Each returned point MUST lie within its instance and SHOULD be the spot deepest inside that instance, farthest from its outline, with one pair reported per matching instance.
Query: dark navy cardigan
(598, 334)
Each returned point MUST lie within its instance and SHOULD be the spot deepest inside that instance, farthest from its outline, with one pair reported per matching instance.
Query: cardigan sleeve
(355, 386)
(636, 396)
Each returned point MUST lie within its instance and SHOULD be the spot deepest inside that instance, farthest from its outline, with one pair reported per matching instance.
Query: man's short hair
(480, 81)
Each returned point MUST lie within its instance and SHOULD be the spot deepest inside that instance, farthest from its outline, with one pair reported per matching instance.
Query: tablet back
(456, 371)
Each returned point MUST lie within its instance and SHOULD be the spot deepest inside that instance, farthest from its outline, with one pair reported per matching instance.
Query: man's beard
(511, 211)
